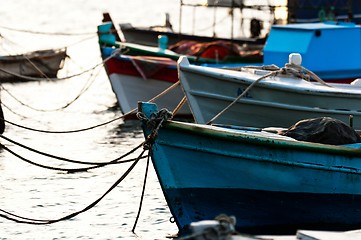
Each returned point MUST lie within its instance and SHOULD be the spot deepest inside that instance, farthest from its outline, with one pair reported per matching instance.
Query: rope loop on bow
(153, 123)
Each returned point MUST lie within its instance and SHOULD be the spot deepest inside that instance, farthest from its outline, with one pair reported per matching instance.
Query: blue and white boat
(272, 184)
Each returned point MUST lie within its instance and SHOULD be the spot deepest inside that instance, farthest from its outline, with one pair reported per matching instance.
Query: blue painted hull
(267, 212)
(272, 184)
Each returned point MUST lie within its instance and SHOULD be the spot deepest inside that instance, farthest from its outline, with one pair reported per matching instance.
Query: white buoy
(295, 58)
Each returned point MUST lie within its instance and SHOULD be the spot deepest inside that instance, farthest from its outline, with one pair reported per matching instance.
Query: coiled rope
(288, 69)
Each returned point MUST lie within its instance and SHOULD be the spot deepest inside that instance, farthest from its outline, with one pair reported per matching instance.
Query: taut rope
(289, 68)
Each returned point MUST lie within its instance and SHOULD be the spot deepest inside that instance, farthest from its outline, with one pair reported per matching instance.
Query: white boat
(254, 96)
(143, 78)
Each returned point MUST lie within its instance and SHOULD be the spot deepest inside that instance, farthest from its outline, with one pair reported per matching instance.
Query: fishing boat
(305, 11)
(142, 78)
(40, 64)
(250, 19)
(271, 183)
(213, 52)
(282, 41)
(149, 35)
(266, 96)
(139, 72)
(313, 41)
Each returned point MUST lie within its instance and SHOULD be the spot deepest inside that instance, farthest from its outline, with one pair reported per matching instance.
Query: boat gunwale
(219, 132)
(224, 76)
(124, 57)
(36, 55)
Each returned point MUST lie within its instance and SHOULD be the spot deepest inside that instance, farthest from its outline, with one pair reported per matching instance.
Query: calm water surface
(39, 193)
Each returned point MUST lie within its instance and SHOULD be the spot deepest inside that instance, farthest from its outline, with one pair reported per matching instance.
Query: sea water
(35, 192)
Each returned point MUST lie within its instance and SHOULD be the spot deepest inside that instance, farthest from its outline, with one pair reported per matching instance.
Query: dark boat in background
(306, 11)
(42, 64)
(149, 35)
(296, 11)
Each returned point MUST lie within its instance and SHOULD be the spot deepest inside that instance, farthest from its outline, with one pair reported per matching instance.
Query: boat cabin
(323, 46)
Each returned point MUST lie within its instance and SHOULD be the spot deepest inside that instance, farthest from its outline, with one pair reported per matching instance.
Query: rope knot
(303, 73)
(153, 123)
(296, 70)
(155, 119)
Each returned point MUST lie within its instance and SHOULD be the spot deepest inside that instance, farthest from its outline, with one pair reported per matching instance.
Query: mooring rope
(66, 131)
(67, 159)
(97, 164)
(82, 91)
(56, 49)
(180, 105)
(174, 85)
(25, 55)
(80, 41)
(20, 219)
(289, 68)
(47, 33)
(86, 86)
(156, 121)
(239, 97)
(116, 52)
(37, 68)
(143, 191)
(296, 69)
(8, 108)
(70, 170)
(95, 126)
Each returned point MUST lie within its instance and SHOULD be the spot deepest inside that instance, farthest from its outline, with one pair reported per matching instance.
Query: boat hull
(271, 102)
(38, 64)
(272, 185)
(284, 213)
(149, 37)
(131, 84)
